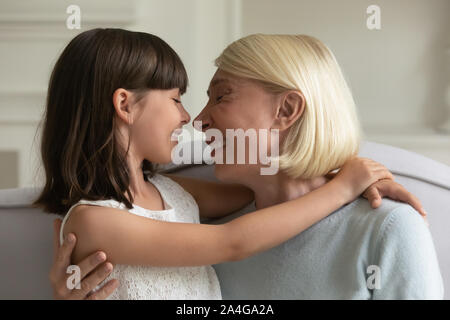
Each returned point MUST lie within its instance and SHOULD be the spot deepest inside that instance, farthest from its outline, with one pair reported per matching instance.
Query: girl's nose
(186, 117)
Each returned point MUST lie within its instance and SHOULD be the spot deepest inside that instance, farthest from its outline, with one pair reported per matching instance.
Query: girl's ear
(291, 106)
(122, 105)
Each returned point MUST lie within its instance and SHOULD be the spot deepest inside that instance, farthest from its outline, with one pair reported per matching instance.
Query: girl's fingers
(373, 196)
(380, 171)
(396, 191)
(426, 221)
(403, 195)
(383, 174)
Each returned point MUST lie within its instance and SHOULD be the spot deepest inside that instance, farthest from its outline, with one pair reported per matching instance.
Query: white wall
(33, 34)
(198, 30)
(398, 74)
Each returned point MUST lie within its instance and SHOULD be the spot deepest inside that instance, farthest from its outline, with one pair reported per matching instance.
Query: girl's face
(156, 116)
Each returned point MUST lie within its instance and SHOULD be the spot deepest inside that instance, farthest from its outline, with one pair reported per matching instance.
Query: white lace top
(147, 282)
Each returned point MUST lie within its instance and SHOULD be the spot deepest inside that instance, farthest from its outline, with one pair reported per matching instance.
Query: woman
(293, 83)
(124, 236)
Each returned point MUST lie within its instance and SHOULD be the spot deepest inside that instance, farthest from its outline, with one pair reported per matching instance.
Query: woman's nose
(201, 122)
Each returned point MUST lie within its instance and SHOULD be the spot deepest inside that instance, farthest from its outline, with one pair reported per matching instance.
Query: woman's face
(157, 115)
(236, 103)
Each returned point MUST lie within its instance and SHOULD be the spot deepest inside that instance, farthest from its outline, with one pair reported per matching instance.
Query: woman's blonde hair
(328, 132)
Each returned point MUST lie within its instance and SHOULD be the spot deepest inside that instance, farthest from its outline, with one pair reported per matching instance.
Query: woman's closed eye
(221, 95)
(218, 96)
(176, 100)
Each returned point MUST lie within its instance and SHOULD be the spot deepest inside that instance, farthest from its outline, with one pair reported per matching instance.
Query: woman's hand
(93, 271)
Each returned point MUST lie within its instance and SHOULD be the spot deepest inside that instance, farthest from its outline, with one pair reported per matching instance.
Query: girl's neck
(145, 194)
(138, 185)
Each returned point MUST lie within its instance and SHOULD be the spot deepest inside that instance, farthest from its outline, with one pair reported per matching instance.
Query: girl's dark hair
(80, 153)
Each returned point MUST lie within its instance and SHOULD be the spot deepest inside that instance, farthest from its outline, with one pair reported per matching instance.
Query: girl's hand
(390, 189)
(357, 174)
(382, 188)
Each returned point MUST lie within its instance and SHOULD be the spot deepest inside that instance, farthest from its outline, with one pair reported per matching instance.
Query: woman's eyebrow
(216, 82)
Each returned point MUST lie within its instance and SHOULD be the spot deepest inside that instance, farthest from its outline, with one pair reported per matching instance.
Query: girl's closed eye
(176, 100)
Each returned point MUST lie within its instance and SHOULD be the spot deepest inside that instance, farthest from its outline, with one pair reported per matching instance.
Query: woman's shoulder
(401, 221)
(392, 212)
(388, 212)
(405, 250)
(392, 225)
(378, 224)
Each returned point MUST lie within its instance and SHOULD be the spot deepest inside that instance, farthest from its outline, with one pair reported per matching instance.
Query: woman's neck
(279, 188)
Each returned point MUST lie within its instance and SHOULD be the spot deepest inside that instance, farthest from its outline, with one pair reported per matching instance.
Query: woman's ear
(122, 105)
(290, 108)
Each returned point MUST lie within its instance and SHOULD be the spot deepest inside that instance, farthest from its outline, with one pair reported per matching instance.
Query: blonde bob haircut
(328, 132)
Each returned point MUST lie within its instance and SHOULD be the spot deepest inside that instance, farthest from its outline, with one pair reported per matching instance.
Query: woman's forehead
(223, 77)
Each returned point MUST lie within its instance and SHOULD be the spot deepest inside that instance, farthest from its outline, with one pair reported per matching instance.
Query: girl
(113, 104)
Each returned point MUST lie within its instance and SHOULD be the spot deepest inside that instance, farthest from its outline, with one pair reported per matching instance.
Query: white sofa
(26, 233)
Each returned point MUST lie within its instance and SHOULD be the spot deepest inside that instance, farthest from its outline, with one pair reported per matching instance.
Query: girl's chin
(164, 162)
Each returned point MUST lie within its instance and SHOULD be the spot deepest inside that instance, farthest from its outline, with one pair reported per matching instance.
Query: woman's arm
(134, 240)
(215, 199)
(93, 270)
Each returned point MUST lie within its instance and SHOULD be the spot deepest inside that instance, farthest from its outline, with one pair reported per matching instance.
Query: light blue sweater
(330, 260)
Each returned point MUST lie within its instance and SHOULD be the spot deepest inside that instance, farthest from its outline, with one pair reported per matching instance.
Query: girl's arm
(215, 199)
(134, 240)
